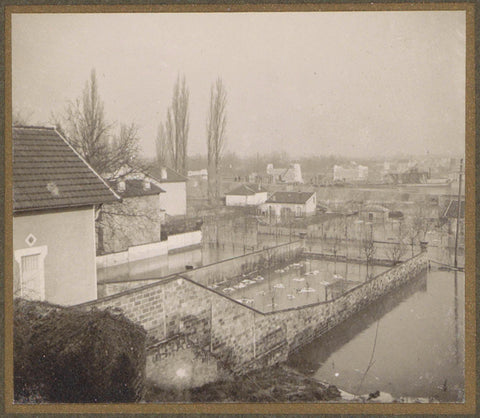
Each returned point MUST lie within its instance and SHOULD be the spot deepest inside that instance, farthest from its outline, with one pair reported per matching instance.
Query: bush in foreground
(69, 355)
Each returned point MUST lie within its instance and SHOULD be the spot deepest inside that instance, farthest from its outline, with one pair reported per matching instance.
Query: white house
(292, 174)
(174, 200)
(289, 204)
(354, 172)
(55, 195)
(246, 195)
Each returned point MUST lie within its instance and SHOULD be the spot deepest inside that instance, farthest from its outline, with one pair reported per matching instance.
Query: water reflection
(416, 335)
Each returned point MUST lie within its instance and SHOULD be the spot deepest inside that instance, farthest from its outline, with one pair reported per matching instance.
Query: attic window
(53, 188)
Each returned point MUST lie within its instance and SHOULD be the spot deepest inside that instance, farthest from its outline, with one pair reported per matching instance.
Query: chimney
(146, 184)
(164, 173)
(121, 185)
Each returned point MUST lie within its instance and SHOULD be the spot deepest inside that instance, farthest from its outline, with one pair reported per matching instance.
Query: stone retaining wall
(238, 335)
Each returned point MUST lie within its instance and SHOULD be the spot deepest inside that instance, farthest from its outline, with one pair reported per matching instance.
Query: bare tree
(421, 221)
(368, 249)
(396, 250)
(84, 125)
(177, 126)
(162, 146)
(412, 232)
(216, 128)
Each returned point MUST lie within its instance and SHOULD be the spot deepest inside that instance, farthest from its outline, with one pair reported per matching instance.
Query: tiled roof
(134, 188)
(48, 173)
(452, 209)
(290, 197)
(247, 190)
(172, 176)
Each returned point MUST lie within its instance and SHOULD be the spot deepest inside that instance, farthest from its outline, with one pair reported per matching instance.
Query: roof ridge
(49, 127)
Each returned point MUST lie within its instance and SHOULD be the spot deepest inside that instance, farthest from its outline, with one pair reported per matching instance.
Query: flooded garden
(296, 284)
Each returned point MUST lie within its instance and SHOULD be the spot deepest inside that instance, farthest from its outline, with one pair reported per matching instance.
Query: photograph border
(468, 407)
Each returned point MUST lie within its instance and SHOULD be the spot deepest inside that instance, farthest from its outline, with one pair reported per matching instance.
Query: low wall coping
(296, 308)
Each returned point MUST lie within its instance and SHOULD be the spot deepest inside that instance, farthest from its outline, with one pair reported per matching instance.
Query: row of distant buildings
(432, 171)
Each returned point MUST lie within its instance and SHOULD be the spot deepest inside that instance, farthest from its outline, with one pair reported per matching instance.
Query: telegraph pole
(458, 210)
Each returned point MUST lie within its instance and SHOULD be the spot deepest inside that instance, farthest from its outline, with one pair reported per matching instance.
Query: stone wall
(178, 364)
(303, 324)
(240, 336)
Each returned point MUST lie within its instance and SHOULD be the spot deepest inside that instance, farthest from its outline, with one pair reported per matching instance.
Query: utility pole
(458, 210)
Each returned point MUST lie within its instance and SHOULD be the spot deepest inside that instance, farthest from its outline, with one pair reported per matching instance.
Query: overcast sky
(351, 83)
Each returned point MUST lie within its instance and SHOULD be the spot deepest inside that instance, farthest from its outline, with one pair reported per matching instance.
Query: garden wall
(237, 335)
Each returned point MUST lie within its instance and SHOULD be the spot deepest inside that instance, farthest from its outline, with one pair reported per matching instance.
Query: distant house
(135, 221)
(352, 173)
(410, 176)
(292, 174)
(246, 195)
(290, 204)
(174, 201)
(55, 193)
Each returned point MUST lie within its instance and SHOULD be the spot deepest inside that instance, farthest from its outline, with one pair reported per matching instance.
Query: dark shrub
(70, 355)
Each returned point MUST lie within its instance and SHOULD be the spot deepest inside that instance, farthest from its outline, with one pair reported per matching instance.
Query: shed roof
(172, 175)
(290, 197)
(48, 173)
(246, 190)
(135, 188)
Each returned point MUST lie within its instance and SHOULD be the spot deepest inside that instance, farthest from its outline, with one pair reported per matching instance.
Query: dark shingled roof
(290, 197)
(49, 174)
(452, 209)
(134, 188)
(246, 190)
(172, 176)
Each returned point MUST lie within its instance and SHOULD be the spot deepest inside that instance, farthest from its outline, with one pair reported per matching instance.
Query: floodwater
(298, 284)
(165, 265)
(409, 344)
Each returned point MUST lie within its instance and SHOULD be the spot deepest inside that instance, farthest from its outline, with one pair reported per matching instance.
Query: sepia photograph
(239, 207)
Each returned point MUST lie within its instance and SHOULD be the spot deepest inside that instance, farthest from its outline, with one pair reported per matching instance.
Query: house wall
(253, 200)
(308, 208)
(69, 265)
(135, 221)
(174, 201)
